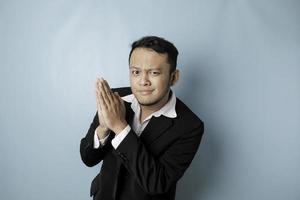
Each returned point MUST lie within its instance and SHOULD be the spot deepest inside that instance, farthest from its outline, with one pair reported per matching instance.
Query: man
(148, 137)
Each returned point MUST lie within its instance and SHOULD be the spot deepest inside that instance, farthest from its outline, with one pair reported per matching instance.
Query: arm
(99, 142)
(89, 155)
(156, 174)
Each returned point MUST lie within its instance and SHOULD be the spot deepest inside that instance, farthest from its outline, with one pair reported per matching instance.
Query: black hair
(159, 45)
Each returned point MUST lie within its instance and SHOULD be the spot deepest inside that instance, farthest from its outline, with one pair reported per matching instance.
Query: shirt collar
(167, 110)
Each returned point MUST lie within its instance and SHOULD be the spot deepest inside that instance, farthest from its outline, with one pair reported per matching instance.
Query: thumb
(118, 96)
(116, 93)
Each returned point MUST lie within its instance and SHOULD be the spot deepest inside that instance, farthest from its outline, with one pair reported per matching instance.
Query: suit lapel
(155, 128)
(129, 113)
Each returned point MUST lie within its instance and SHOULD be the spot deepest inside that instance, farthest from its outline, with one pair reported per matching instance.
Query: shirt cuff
(99, 143)
(120, 137)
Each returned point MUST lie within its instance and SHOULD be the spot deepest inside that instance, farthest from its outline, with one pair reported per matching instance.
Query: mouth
(145, 92)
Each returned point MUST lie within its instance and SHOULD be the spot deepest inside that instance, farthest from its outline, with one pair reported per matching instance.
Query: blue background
(240, 73)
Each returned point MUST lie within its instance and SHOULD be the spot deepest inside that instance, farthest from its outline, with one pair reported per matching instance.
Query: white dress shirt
(167, 110)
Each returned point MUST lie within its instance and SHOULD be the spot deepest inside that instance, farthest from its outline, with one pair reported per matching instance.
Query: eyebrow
(151, 68)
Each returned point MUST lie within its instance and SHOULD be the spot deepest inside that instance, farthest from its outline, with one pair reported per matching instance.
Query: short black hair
(160, 45)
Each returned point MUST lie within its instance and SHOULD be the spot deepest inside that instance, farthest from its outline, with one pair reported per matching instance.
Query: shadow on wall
(202, 175)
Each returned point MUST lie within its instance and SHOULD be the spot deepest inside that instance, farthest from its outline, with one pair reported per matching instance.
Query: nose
(144, 80)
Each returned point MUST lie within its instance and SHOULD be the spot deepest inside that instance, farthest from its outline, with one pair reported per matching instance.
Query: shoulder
(186, 116)
(123, 91)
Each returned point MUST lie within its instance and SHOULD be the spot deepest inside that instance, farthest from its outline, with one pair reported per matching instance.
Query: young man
(148, 137)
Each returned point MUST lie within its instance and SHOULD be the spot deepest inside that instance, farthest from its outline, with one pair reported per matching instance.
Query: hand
(103, 127)
(112, 107)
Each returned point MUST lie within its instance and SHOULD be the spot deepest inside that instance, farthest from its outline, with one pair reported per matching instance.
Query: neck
(148, 110)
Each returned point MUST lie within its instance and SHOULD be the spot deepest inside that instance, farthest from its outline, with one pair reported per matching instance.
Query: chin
(148, 101)
(145, 102)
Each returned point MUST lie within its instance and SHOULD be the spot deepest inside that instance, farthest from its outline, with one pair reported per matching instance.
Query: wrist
(103, 128)
(101, 132)
(120, 127)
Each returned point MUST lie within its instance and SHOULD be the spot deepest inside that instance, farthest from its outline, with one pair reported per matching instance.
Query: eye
(155, 73)
(135, 72)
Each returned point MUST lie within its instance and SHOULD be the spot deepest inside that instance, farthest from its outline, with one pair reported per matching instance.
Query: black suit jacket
(145, 167)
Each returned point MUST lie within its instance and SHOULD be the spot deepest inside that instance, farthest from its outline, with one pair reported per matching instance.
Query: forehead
(143, 57)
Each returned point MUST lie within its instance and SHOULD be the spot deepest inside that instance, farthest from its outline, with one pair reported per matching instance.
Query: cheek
(132, 80)
(160, 84)
(133, 83)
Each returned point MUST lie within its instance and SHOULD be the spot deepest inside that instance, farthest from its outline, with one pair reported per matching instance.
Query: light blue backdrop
(240, 73)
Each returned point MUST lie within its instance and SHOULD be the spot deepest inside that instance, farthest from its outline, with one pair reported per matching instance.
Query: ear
(174, 77)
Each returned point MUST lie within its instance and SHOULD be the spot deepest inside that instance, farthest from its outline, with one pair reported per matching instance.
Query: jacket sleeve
(89, 155)
(157, 174)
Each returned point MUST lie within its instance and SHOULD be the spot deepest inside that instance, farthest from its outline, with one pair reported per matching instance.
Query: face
(150, 77)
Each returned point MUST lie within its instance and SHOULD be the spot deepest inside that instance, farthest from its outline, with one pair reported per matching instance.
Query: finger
(120, 100)
(98, 90)
(106, 84)
(117, 96)
(102, 100)
(99, 107)
(98, 99)
(107, 90)
(116, 99)
(103, 96)
(105, 93)
(97, 84)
